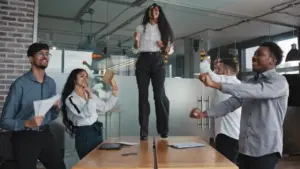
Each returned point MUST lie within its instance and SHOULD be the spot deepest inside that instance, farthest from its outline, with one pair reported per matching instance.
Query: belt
(97, 125)
(40, 128)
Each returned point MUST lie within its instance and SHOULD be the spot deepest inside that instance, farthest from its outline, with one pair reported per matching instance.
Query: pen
(127, 154)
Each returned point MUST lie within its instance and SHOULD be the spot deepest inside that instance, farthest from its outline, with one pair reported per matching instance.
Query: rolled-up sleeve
(268, 89)
(139, 29)
(10, 109)
(205, 68)
(105, 106)
(224, 107)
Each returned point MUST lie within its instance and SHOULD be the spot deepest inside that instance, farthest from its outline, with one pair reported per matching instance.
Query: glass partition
(55, 62)
(248, 55)
(78, 59)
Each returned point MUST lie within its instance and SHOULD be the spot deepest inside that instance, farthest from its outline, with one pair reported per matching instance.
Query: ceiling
(114, 21)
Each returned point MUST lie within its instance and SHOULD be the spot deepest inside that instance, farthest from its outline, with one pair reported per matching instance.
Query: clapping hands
(205, 78)
(115, 88)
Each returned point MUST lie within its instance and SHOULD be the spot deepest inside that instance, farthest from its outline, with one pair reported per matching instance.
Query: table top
(167, 157)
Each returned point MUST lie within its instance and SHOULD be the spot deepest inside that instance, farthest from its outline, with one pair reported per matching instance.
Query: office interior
(97, 35)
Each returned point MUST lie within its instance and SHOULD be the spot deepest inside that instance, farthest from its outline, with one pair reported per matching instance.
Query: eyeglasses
(39, 54)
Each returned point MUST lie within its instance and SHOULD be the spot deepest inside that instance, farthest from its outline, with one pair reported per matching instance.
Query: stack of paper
(127, 143)
(41, 107)
(187, 145)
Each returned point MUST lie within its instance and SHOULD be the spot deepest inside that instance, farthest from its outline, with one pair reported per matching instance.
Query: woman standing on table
(79, 109)
(153, 40)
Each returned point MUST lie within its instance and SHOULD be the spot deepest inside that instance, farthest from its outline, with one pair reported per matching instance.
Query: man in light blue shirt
(31, 138)
(264, 103)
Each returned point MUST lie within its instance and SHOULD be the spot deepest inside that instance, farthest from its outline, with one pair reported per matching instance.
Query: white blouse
(149, 38)
(84, 112)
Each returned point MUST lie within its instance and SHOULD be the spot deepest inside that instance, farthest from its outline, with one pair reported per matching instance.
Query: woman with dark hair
(153, 40)
(79, 107)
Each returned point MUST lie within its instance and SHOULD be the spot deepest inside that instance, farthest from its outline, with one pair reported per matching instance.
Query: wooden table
(167, 157)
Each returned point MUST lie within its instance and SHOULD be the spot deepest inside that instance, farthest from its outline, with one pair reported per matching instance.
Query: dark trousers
(227, 146)
(88, 138)
(150, 66)
(29, 146)
(264, 162)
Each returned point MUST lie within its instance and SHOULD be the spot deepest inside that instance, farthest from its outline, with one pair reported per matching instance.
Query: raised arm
(136, 38)
(205, 68)
(105, 106)
(74, 105)
(225, 107)
(273, 87)
(87, 65)
(171, 51)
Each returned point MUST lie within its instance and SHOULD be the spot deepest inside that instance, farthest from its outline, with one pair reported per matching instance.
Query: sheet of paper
(108, 76)
(187, 145)
(41, 107)
(128, 143)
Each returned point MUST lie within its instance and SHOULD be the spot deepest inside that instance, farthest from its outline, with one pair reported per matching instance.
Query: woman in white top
(79, 107)
(227, 128)
(153, 40)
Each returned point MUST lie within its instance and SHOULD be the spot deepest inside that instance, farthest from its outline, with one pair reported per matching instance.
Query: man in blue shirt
(263, 99)
(31, 137)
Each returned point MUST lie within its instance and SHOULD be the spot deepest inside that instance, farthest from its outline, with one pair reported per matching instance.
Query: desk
(167, 157)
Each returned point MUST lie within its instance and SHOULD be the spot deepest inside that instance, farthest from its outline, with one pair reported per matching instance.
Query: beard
(43, 67)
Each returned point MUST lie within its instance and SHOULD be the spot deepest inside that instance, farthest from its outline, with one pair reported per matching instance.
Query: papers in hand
(41, 107)
(108, 76)
(186, 145)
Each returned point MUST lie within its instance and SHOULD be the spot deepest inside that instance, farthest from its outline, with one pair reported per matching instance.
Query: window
(249, 55)
(74, 59)
(55, 61)
(286, 46)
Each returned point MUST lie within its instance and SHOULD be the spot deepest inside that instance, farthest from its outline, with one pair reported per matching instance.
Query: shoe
(164, 136)
(144, 138)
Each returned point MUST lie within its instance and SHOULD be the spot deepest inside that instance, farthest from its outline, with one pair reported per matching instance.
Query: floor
(287, 162)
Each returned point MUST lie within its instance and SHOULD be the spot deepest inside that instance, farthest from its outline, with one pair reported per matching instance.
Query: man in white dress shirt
(227, 128)
(153, 39)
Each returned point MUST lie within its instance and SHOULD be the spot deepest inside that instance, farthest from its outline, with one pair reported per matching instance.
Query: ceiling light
(294, 54)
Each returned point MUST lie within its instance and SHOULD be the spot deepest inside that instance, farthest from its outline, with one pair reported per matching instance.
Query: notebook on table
(110, 146)
(186, 145)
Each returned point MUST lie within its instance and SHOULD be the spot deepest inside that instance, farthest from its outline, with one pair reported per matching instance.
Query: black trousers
(87, 138)
(227, 146)
(29, 146)
(150, 66)
(264, 162)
